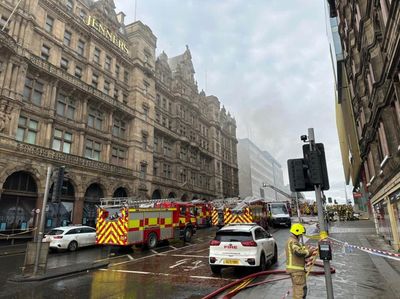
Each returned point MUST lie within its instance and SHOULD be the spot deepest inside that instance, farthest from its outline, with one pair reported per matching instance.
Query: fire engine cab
(128, 221)
(202, 212)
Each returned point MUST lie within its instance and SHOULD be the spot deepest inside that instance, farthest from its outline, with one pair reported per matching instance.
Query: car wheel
(216, 269)
(263, 263)
(152, 240)
(73, 246)
(187, 234)
(275, 257)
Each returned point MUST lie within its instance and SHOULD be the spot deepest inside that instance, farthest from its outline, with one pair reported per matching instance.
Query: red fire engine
(202, 212)
(127, 221)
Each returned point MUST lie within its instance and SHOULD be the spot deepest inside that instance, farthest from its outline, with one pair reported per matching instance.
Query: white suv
(242, 245)
(70, 237)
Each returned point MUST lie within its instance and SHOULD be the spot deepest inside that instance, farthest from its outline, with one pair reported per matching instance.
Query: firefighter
(296, 255)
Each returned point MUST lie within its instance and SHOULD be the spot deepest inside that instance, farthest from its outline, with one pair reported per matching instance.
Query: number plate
(231, 262)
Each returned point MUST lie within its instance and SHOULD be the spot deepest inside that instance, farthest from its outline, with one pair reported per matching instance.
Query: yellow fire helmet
(297, 229)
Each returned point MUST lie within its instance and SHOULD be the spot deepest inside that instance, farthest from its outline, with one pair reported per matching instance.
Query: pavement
(358, 274)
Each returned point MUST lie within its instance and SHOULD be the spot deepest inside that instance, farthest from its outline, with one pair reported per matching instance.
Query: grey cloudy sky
(267, 61)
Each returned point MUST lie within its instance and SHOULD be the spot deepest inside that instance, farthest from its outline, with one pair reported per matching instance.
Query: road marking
(151, 255)
(178, 263)
(172, 247)
(197, 264)
(153, 251)
(187, 255)
(166, 274)
(205, 249)
(112, 258)
(130, 257)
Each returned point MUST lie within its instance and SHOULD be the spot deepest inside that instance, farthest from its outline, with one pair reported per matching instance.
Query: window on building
(167, 148)
(371, 166)
(118, 156)
(95, 80)
(70, 5)
(116, 94)
(146, 87)
(27, 130)
(107, 64)
(119, 128)
(144, 141)
(155, 168)
(145, 113)
(95, 119)
(117, 71)
(62, 141)
(158, 117)
(92, 150)
(67, 38)
(64, 64)
(125, 98)
(45, 53)
(49, 24)
(143, 170)
(158, 99)
(78, 72)
(107, 87)
(156, 142)
(167, 170)
(96, 55)
(396, 111)
(33, 91)
(81, 47)
(164, 103)
(126, 77)
(65, 106)
(82, 14)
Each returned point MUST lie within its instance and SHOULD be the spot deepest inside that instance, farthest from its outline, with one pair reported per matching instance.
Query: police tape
(17, 234)
(378, 252)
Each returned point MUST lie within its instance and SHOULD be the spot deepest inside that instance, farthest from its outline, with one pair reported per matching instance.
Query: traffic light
(298, 178)
(58, 184)
(317, 171)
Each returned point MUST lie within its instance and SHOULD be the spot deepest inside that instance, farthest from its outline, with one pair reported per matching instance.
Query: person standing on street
(296, 254)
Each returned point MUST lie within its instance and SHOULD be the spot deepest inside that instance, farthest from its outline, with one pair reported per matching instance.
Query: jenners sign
(103, 30)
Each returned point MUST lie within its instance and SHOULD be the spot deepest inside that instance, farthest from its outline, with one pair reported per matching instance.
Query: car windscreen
(55, 232)
(233, 236)
(281, 209)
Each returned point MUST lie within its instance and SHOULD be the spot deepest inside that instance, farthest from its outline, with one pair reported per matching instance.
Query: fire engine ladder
(225, 202)
(131, 202)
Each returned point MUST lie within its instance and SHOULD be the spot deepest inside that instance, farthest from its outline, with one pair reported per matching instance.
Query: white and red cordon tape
(383, 253)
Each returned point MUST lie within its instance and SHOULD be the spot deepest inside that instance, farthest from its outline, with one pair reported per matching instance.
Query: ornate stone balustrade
(67, 159)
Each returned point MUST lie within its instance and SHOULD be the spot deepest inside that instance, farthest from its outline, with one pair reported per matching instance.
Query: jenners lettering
(103, 30)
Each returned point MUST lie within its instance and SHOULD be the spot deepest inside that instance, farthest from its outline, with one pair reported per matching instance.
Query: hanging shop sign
(395, 196)
(107, 33)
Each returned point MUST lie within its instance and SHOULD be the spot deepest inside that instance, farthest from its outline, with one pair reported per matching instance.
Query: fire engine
(128, 221)
(202, 212)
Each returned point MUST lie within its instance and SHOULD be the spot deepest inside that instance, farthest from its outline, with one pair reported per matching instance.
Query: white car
(242, 245)
(70, 237)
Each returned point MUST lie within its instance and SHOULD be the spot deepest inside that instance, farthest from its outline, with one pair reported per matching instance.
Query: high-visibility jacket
(296, 254)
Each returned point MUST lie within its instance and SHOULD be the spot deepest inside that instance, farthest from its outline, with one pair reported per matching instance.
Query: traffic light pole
(322, 224)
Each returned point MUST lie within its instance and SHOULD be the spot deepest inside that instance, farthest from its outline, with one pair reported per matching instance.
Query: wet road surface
(171, 271)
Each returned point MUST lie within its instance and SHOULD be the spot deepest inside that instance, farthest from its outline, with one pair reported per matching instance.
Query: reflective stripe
(289, 262)
(294, 267)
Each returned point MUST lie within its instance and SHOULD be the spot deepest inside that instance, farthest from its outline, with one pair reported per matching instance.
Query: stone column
(393, 224)
(78, 209)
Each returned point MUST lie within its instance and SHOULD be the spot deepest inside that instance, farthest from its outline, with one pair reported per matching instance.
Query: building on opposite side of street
(80, 89)
(368, 105)
(258, 170)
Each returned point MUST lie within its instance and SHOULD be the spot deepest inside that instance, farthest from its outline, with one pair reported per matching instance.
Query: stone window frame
(95, 118)
(126, 76)
(167, 170)
(117, 71)
(64, 137)
(118, 155)
(70, 5)
(67, 38)
(96, 55)
(107, 87)
(27, 129)
(95, 80)
(65, 104)
(80, 47)
(49, 26)
(64, 64)
(33, 91)
(93, 147)
(108, 63)
(45, 52)
(78, 74)
(119, 128)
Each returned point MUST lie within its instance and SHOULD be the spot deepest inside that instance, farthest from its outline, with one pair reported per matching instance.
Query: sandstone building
(80, 89)
(368, 85)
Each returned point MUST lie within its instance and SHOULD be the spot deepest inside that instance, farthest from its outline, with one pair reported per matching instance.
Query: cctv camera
(303, 138)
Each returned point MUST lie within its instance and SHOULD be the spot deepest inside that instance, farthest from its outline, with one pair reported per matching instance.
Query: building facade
(80, 89)
(257, 171)
(370, 33)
